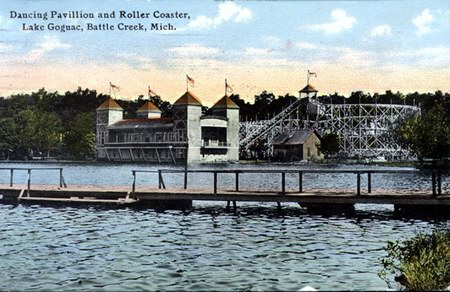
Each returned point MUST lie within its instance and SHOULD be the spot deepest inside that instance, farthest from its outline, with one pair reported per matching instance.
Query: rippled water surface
(206, 248)
(203, 249)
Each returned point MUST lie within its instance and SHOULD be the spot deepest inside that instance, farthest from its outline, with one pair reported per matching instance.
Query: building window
(308, 150)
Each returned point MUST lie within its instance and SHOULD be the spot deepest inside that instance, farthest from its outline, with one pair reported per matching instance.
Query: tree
(24, 129)
(79, 139)
(428, 135)
(329, 144)
(48, 132)
(7, 137)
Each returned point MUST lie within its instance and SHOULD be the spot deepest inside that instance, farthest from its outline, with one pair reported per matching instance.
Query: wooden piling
(358, 184)
(215, 182)
(439, 183)
(433, 182)
(133, 188)
(60, 177)
(300, 182)
(29, 182)
(237, 181)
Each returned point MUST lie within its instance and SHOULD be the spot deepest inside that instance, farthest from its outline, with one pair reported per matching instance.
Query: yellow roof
(188, 98)
(148, 106)
(225, 102)
(308, 88)
(109, 104)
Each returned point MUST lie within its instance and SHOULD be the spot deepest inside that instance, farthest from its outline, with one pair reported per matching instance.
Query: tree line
(265, 105)
(63, 124)
(44, 124)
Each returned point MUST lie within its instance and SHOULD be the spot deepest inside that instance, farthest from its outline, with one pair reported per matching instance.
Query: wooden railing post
(29, 182)
(215, 182)
(237, 180)
(300, 182)
(433, 182)
(11, 178)
(60, 178)
(133, 188)
(369, 182)
(283, 183)
(159, 178)
(63, 180)
(439, 183)
(358, 183)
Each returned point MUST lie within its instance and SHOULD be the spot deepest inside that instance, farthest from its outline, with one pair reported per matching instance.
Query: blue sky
(257, 45)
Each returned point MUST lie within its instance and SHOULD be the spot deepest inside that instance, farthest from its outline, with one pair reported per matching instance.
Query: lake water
(206, 248)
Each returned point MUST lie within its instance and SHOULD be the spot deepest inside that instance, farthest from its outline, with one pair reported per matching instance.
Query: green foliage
(264, 107)
(421, 263)
(24, 128)
(79, 139)
(34, 124)
(428, 135)
(329, 144)
(48, 131)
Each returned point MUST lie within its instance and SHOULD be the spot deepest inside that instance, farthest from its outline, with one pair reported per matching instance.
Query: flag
(114, 86)
(189, 80)
(312, 74)
(151, 92)
(228, 87)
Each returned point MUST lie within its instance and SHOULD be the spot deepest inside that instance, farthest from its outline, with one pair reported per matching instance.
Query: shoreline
(414, 164)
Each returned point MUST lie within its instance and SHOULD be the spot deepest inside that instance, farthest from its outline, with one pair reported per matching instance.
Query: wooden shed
(296, 145)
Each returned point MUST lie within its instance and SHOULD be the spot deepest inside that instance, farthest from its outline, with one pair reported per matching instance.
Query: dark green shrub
(421, 263)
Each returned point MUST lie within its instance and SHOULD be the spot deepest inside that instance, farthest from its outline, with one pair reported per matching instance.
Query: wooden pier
(312, 198)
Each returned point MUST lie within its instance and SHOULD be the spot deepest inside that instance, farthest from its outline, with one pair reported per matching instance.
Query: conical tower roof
(109, 104)
(225, 102)
(149, 106)
(308, 88)
(188, 98)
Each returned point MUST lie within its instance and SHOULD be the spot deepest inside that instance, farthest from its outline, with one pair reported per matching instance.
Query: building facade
(297, 145)
(186, 136)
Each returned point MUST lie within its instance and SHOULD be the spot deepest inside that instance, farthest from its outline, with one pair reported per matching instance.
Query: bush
(421, 263)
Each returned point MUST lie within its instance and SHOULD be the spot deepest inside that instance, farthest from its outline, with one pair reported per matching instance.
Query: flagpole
(225, 87)
(187, 83)
(307, 82)
(149, 92)
(110, 90)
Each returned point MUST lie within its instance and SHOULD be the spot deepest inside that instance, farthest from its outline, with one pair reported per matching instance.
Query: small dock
(314, 199)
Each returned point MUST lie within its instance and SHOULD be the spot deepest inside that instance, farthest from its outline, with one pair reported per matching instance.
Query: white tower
(108, 113)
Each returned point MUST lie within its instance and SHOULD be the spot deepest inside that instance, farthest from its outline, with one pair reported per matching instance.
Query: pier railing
(12, 170)
(435, 177)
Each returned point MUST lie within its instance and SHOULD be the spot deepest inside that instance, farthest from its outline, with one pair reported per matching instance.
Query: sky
(371, 46)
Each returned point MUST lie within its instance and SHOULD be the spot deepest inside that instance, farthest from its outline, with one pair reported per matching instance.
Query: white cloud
(356, 58)
(431, 56)
(50, 43)
(193, 50)
(228, 11)
(340, 21)
(304, 45)
(272, 40)
(5, 47)
(423, 21)
(381, 30)
(4, 24)
(257, 51)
